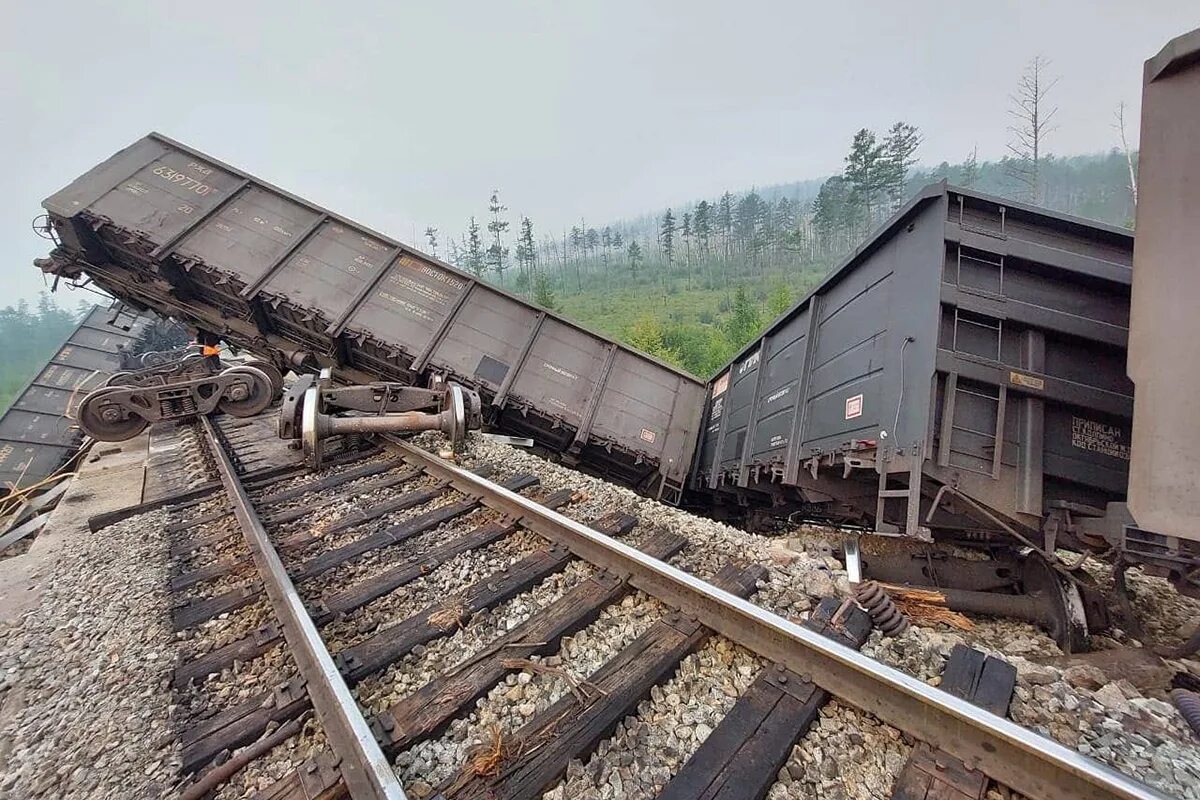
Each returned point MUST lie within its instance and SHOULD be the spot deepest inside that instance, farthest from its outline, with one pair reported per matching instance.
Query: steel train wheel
(309, 436)
(272, 372)
(257, 390)
(456, 403)
(108, 421)
(293, 403)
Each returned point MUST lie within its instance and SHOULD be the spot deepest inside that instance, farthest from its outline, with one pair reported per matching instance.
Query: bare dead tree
(1120, 126)
(1031, 124)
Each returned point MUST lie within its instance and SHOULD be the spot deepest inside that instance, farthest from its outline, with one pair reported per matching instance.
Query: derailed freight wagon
(38, 433)
(962, 372)
(165, 227)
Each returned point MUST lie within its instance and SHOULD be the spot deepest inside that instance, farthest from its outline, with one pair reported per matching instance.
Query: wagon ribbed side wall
(172, 229)
(982, 338)
(1032, 407)
(826, 377)
(38, 432)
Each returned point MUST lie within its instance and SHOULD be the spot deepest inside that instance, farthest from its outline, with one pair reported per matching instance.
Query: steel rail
(364, 768)
(1031, 764)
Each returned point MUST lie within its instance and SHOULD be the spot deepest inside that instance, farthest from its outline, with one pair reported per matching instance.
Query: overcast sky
(406, 114)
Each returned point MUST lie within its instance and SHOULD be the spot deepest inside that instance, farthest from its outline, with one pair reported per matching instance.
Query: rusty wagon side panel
(166, 227)
(38, 432)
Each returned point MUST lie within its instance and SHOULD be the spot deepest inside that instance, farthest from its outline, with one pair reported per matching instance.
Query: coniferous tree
(685, 233)
(899, 155)
(832, 213)
(578, 241)
(725, 221)
(779, 300)
(745, 321)
(865, 173)
(635, 256)
(666, 235)
(702, 221)
(526, 249)
(431, 237)
(498, 226)
(474, 249)
(543, 292)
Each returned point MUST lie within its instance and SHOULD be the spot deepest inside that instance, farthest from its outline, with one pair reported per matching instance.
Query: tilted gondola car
(162, 226)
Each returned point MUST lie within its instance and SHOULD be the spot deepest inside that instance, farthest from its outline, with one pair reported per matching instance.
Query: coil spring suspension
(888, 618)
(1188, 704)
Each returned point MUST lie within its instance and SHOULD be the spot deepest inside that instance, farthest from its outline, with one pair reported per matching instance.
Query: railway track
(399, 615)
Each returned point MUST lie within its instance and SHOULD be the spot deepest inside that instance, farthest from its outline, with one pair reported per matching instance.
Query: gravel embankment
(85, 686)
(850, 754)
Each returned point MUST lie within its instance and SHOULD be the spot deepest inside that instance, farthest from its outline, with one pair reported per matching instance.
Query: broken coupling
(887, 617)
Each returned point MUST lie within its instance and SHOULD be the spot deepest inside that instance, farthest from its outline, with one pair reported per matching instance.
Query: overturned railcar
(962, 373)
(165, 227)
(38, 433)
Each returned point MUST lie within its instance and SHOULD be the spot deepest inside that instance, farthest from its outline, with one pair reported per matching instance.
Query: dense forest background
(693, 283)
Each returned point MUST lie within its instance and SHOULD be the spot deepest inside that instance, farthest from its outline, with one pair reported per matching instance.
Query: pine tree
(431, 237)
(526, 249)
(543, 292)
(703, 224)
(779, 300)
(474, 248)
(865, 174)
(750, 222)
(745, 322)
(635, 256)
(497, 227)
(578, 240)
(685, 232)
(832, 212)
(592, 240)
(725, 221)
(666, 235)
(899, 150)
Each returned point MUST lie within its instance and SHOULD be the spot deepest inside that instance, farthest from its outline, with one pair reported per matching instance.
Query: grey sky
(403, 115)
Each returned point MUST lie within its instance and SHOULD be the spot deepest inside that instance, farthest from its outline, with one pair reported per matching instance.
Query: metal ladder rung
(895, 493)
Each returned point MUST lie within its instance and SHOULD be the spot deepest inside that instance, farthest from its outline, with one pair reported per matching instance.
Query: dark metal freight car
(38, 432)
(963, 370)
(165, 227)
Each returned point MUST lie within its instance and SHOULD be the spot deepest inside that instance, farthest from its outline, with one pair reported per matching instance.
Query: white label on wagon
(854, 406)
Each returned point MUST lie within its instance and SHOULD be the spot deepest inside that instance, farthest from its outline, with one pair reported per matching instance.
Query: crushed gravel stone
(85, 686)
